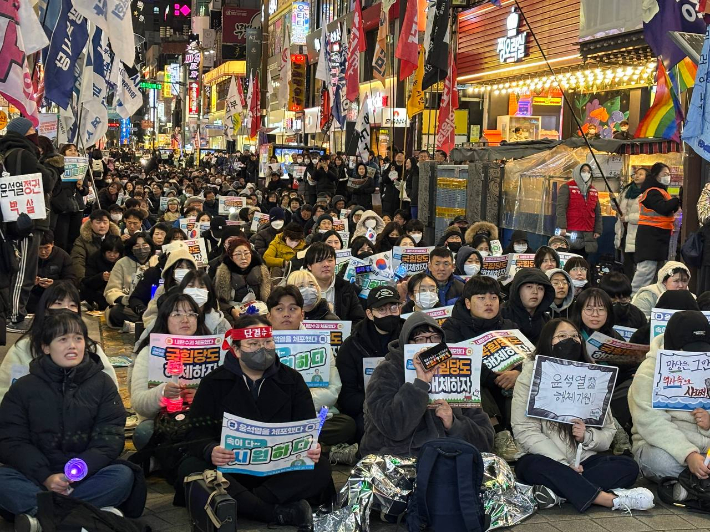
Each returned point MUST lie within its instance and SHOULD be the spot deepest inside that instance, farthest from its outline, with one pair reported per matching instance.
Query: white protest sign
(198, 249)
(163, 203)
(263, 449)
(518, 261)
(342, 256)
(502, 350)
(340, 224)
(309, 353)
(225, 204)
(339, 330)
(368, 368)
(371, 272)
(565, 390)
(439, 313)
(190, 227)
(625, 332)
(22, 193)
(458, 379)
(345, 237)
(681, 381)
(198, 355)
(260, 220)
(565, 256)
(75, 168)
(413, 260)
(602, 348)
(660, 317)
(496, 247)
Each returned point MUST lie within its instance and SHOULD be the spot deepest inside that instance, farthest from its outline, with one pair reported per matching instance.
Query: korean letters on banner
(75, 168)
(263, 449)
(681, 381)
(502, 350)
(439, 313)
(226, 203)
(260, 220)
(22, 193)
(309, 353)
(342, 256)
(565, 390)
(625, 332)
(198, 354)
(368, 368)
(371, 272)
(415, 260)
(198, 249)
(338, 330)
(660, 317)
(163, 203)
(602, 348)
(495, 266)
(190, 227)
(458, 380)
(496, 247)
(340, 224)
(517, 261)
(565, 256)
(345, 237)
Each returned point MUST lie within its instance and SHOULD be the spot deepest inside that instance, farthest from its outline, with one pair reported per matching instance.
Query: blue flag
(673, 15)
(68, 41)
(697, 127)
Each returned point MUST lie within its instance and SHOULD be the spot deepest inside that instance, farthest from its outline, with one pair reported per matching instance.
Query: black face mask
(454, 246)
(388, 324)
(364, 254)
(568, 349)
(392, 239)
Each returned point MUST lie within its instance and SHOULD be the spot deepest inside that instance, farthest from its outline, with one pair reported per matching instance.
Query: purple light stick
(321, 418)
(75, 470)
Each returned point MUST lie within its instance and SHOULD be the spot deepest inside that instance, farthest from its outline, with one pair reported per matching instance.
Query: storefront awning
(223, 71)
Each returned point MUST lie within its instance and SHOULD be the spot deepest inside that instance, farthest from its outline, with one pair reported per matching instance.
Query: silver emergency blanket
(384, 483)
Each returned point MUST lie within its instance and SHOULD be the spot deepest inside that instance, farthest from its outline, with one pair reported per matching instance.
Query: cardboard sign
(262, 449)
(625, 332)
(518, 261)
(260, 220)
(368, 368)
(309, 353)
(339, 331)
(502, 350)
(225, 204)
(495, 267)
(75, 168)
(681, 381)
(198, 354)
(198, 249)
(190, 227)
(601, 348)
(371, 272)
(440, 314)
(413, 260)
(660, 317)
(22, 193)
(340, 224)
(565, 390)
(458, 379)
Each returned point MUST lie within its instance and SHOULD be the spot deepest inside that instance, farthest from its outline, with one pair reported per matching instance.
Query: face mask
(586, 176)
(310, 296)
(307, 161)
(116, 217)
(388, 324)
(204, 227)
(471, 269)
(291, 243)
(364, 254)
(371, 223)
(454, 246)
(33, 138)
(579, 283)
(417, 237)
(392, 239)
(665, 180)
(520, 248)
(142, 255)
(179, 274)
(277, 224)
(484, 254)
(426, 300)
(200, 295)
(568, 349)
(260, 359)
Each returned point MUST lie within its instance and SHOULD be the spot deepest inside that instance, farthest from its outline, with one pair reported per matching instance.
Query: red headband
(245, 334)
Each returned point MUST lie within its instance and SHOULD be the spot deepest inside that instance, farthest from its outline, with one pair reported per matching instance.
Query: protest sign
(496, 247)
(339, 331)
(225, 204)
(458, 379)
(309, 353)
(298, 172)
(565, 256)
(625, 332)
(22, 193)
(198, 354)
(502, 350)
(439, 313)
(263, 449)
(345, 237)
(660, 317)
(601, 348)
(344, 213)
(198, 249)
(190, 227)
(163, 203)
(371, 272)
(75, 168)
(342, 256)
(414, 260)
(517, 261)
(495, 267)
(260, 220)
(340, 224)
(565, 390)
(681, 381)
(368, 368)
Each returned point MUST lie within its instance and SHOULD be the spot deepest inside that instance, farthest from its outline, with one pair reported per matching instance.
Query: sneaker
(504, 446)
(112, 510)
(343, 453)
(19, 327)
(27, 523)
(295, 514)
(633, 499)
(546, 498)
(621, 443)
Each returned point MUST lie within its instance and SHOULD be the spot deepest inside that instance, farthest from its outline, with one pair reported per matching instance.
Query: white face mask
(291, 243)
(579, 283)
(277, 224)
(665, 180)
(426, 300)
(520, 248)
(310, 296)
(484, 253)
(116, 217)
(586, 176)
(200, 295)
(179, 274)
(417, 237)
(204, 227)
(471, 269)
(371, 223)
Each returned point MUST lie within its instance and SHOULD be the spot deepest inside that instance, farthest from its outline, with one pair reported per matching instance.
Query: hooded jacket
(646, 298)
(462, 256)
(481, 227)
(529, 325)
(561, 310)
(397, 418)
(361, 229)
(674, 431)
(279, 253)
(86, 245)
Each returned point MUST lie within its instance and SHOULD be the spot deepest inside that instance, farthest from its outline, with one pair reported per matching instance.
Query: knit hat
(193, 199)
(19, 125)
(276, 213)
(177, 255)
(293, 231)
(688, 330)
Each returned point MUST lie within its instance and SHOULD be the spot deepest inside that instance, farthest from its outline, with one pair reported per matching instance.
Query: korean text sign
(502, 350)
(75, 168)
(602, 348)
(22, 193)
(565, 390)
(440, 314)
(338, 330)
(659, 320)
(263, 449)
(198, 354)
(415, 260)
(681, 380)
(495, 266)
(371, 272)
(308, 352)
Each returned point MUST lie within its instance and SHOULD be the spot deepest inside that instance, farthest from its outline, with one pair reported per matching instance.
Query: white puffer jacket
(630, 208)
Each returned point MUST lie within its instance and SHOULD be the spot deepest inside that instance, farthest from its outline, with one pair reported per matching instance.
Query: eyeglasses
(182, 315)
(566, 336)
(241, 254)
(560, 284)
(579, 269)
(253, 345)
(433, 338)
(393, 308)
(590, 311)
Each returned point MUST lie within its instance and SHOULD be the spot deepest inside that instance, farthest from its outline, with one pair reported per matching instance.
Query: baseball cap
(687, 330)
(382, 295)
(217, 224)
(276, 213)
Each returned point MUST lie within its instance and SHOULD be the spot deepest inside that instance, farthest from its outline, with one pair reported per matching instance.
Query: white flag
(232, 112)
(285, 71)
(128, 94)
(249, 91)
(362, 130)
(114, 17)
(32, 32)
(322, 72)
(94, 117)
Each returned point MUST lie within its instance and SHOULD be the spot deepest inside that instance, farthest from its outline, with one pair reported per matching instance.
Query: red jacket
(581, 214)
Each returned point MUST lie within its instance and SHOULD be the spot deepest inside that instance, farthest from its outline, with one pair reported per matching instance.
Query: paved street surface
(161, 515)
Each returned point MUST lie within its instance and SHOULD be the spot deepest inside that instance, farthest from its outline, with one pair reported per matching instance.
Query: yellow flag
(415, 104)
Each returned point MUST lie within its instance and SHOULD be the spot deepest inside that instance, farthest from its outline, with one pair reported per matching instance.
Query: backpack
(692, 250)
(447, 494)
(97, 166)
(59, 513)
(698, 491)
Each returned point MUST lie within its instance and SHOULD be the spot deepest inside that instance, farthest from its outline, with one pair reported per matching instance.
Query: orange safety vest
(652, 218)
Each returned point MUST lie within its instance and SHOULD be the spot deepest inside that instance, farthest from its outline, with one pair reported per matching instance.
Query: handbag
(697, 491)
(692, 249)
(209, 505)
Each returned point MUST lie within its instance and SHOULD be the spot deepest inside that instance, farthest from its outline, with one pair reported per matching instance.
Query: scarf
(633, 191)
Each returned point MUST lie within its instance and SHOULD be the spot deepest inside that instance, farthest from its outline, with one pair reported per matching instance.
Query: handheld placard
(75, 470)
(174, 368)
(578, 459)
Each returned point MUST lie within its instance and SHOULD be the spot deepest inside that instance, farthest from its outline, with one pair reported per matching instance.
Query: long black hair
(202, 277)
(58, 291)
(171, 303)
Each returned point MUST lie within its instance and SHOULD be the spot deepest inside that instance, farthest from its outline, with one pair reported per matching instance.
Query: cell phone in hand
(434, 356)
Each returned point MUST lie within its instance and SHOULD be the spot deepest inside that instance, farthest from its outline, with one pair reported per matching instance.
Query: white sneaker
(27, 523)
(633, 499)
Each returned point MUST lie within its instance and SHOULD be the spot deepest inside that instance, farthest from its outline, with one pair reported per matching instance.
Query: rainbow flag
(665, 115)
(682, 76)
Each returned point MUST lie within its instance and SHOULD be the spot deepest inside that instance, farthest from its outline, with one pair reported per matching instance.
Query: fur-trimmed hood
(88, 235)
(231, 286)
(472, 231)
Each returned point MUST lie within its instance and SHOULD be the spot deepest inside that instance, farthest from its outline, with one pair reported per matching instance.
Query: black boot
(295, 514)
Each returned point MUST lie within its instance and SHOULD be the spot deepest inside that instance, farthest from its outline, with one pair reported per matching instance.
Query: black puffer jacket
(53, 415)
(529, 324)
